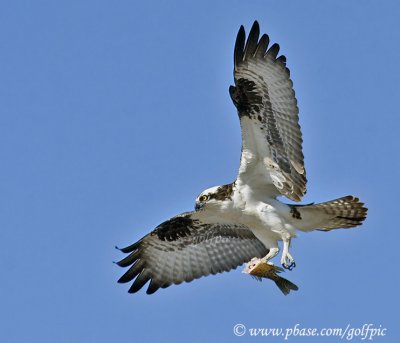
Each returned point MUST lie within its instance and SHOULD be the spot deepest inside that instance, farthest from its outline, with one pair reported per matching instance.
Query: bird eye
(203, 198)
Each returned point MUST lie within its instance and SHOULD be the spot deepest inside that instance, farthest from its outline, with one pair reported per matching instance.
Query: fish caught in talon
(261, 269)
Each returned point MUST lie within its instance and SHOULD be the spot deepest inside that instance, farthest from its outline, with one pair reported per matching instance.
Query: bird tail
(346, 212)
(285, 285)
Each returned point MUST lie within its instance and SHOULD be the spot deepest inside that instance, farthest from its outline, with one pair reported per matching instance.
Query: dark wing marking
(184, 248)
(271, 138)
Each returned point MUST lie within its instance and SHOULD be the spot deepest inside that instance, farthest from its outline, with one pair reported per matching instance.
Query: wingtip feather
(252, 41)
(273, 51)
(239, 45)
(139, 282)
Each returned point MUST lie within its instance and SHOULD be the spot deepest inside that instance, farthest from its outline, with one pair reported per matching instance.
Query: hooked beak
(199, 206)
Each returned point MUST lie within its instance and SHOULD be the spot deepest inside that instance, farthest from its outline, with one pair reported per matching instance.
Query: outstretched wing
(272, 157)
(185, 248)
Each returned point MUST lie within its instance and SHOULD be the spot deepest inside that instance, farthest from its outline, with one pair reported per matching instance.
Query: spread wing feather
(263, 94)
(185, 248)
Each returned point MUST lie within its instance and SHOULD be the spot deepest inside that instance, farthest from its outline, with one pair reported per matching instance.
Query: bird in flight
(242, 221)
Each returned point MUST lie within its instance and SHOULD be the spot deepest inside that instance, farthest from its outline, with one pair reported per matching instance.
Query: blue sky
(115, 115)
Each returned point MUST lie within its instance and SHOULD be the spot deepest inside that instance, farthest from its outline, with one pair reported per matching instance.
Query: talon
(288, 264)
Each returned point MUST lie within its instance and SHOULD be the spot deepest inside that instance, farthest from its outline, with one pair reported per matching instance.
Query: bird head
(213, 197)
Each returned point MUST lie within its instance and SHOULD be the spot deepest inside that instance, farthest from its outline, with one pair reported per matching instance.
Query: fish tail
(285, 285)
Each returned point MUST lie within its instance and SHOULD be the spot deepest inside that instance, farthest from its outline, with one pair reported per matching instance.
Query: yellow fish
(260, 269)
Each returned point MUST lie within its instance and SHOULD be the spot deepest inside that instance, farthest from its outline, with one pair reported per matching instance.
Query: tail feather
(345, 212)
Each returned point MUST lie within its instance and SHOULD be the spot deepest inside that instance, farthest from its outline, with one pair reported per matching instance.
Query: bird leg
(271, 254)
(287, 260)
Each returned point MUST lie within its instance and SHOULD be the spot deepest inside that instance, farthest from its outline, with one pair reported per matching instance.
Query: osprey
(234, 223)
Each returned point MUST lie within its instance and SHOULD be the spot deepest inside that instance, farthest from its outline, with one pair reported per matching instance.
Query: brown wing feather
(264, 97)
(184, 248)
